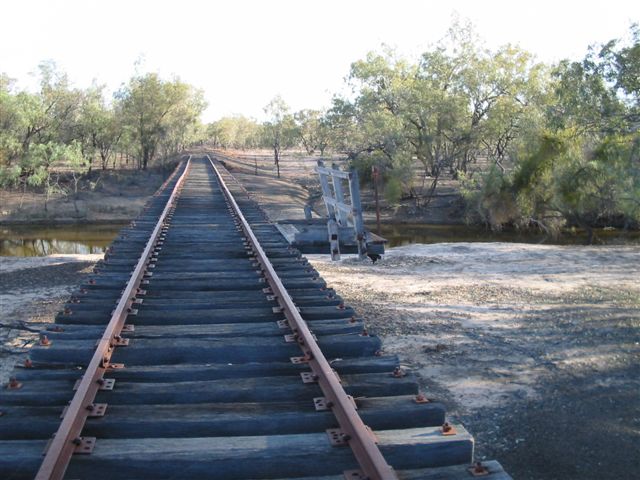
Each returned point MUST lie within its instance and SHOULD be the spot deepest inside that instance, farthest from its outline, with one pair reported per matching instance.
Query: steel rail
(356, 433)
(67, 437)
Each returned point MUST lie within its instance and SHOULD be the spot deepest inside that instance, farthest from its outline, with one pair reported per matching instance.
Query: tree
(313, 130)
(279, 129)
(235, 132)
(31, 119)
(43, 157)
(10, 121)
(98, 129)
(580, 163)
(155, 110)
(460, 102)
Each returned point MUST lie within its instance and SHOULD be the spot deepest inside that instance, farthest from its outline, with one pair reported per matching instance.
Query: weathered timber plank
(455, 472)
(215, 350)
(238, 458)
(213, 371)
(199, 420)
(267, 389)
(271, 329)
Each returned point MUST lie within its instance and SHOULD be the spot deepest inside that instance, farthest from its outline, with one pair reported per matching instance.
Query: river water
(42, 240)
(405, 234)
(39, 240)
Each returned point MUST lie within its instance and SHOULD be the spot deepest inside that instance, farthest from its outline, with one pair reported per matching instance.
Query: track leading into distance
(205, 347)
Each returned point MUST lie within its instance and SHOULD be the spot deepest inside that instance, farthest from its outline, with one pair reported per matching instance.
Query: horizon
(242, 54)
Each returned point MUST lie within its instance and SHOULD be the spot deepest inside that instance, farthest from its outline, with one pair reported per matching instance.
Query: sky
(244, 52)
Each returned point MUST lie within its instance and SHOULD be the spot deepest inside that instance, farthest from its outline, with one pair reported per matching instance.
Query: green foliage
(534, 167)
(280, 131)
(47, 130)
(159, 114)
(579, 161)
(457, 104)
(393, 190)
(9, 176)
(235, 132)
(490, 198)
(312, 130)
(531, 144)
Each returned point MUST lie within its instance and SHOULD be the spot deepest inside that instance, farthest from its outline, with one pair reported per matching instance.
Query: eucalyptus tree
(41, 160)
(458, 103)
(313, 130)
(157, 111)
(10, 119)
(577, 159)
(34, 124)
(98, 129)
(279, 129)
(236, 131)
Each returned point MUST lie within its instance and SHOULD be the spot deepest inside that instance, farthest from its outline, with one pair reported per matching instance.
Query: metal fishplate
(354, 475)
(84, 445)
(105, 383)
(96, 410)
(309, 377)
(321, 404)
(298, 360)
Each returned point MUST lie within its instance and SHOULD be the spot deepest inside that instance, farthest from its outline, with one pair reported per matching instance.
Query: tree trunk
(276, 156)
(46, 192)
(145, 157)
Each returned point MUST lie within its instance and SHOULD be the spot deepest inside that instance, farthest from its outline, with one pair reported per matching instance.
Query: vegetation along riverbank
(461, 133)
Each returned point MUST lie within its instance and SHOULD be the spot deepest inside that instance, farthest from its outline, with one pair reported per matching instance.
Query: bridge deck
(207, 375)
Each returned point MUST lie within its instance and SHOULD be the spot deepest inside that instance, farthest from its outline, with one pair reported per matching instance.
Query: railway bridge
(205, 347)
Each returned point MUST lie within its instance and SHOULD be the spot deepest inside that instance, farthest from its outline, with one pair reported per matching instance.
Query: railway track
(204, 347)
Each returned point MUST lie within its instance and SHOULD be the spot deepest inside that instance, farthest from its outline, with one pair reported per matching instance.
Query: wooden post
(341, 215)
(334, 243)
(374, 171)
(326, 191)
(358, 223)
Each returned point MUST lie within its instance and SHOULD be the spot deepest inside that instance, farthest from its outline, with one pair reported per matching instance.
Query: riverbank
(109, 196)
(33, 290)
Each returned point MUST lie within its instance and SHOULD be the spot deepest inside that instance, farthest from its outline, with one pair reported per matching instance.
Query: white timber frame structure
(342, 211)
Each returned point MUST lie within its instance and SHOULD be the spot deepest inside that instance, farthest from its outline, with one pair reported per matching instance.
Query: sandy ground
(534, 348)
(284, 197)
(32, 290)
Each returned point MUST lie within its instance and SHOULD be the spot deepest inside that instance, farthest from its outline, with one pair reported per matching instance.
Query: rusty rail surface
(354, 431)
(67, 438)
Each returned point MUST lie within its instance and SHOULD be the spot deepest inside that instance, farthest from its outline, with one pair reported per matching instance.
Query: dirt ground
(297, 171)
(32, 290)
(533, 348)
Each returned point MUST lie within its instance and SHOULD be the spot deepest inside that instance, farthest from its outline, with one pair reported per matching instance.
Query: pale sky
(242, 53)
